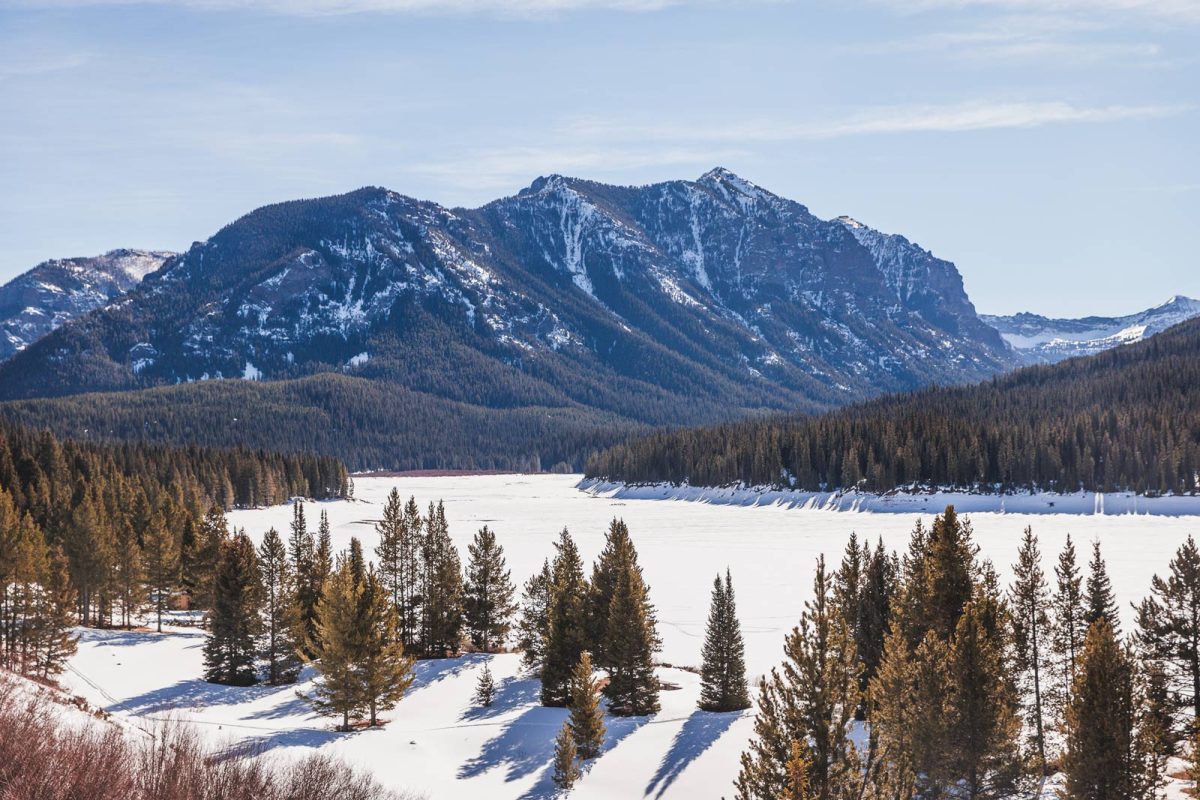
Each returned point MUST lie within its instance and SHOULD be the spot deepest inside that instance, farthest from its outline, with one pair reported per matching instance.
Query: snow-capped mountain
(678, 301)
(57, 291)
(1039, 339)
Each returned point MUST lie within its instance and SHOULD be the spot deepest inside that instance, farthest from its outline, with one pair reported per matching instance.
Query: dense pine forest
(1126, 419)
(366, 424)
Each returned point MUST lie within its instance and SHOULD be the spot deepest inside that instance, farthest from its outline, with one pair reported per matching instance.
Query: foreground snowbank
(901, 502)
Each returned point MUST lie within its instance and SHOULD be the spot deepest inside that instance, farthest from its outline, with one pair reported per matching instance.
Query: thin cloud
(335, 7)
(975, 116)
(1178, 10)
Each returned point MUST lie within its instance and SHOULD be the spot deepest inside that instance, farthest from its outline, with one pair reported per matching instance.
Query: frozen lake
(683, 545)
(437, 744)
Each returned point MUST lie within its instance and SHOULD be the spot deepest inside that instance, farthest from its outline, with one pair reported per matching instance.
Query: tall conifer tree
(630, 645)
(1069, 625)
(534, 623)
(280, 614)
(723, 667)
(488, 601)
(443, 602)
(386, 671)
(1029, 599)
(160, 556)
(231, 649)
(586, 720)
(1099, 600)
(567, 618)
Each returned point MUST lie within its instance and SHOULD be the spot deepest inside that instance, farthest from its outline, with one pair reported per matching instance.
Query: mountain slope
(1124, 419)
(680, 302)
(1040, 339)
(55, 292)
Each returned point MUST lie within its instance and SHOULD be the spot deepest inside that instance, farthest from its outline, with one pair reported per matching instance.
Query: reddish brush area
(47, 756)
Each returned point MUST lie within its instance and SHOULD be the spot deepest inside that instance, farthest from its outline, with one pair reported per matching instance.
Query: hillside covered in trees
(1125, 419)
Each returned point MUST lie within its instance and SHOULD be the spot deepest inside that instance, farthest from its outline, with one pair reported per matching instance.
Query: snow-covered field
(436, 743)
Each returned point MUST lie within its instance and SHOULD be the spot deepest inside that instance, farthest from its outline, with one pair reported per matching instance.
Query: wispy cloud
(1180, 10)
(333, 7)
(972, 116)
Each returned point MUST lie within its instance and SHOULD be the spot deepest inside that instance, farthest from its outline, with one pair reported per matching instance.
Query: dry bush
(44, 758)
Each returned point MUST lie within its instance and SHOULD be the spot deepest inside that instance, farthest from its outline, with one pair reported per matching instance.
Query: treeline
(96, 534)
(1124, 419)
(367, 424)
(971, 690)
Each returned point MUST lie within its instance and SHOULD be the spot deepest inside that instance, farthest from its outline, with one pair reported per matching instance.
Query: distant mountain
(55, 292)
(1040, 339)
(1125, 419)
(678, 302)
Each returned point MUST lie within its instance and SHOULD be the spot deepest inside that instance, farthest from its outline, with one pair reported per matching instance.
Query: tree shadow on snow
(511, 693)
(429, 671)
(189, 694)
(699, 732)
(523, 745)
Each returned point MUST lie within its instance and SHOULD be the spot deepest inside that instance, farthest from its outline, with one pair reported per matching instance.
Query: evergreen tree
(1069, 625)
(618, 552)
(874, 614)
(488, 597)
(160, 554)
(128, 578)
(1099, 762)
(1029, 599)
(280, 614)
(302, 551)
(390, 528)
(534, 622)
(229, 653)
(56, 642)
(443, 607)
(212, 531)
(1099, 600)
(723, 668)
(630, 644)
(848, 582)
(902, 699)
(1169, 623)
(566, 761)
(586, 720)
(358, 563)
(810, 703)
(411, 575)
(566, 626)
(1156, 739)
(983, 725)
(340, 644)
(485, 687)
(385, 670)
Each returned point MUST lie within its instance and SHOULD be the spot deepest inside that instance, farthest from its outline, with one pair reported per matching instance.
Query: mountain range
(1040, 339)
(396, 332)
(55, 292)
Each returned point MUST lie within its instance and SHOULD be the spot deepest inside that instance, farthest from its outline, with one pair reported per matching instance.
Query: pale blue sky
(1048, 147)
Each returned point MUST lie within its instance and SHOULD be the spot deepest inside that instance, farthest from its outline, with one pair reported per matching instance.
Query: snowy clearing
(436, 743)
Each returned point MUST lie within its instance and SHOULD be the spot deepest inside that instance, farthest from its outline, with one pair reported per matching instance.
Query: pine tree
(566, 761)
(302, 551)
(811, 702)
(901, 698)
(488, 596)
(1099, 600)
(212, 531)
(534, 622)
(443, 607)
(1029, 599)
(1099, 762)
(566, 622)
(411, 575)
(1169, 623)
(586, 720)
(848, 582)
(160, 556)
(229, 653)
(1069, 627)
(56, 642)
(723, 669)
(1156, 739)
(281, 619)
(874, 615)
(385, 670)
(983, 725)
(340, 690)
(390, 528)
(128, 579)
(631, 642)
(485, 687)
(618, 552)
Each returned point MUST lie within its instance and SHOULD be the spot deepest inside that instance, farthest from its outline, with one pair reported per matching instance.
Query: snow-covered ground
(436, 743)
